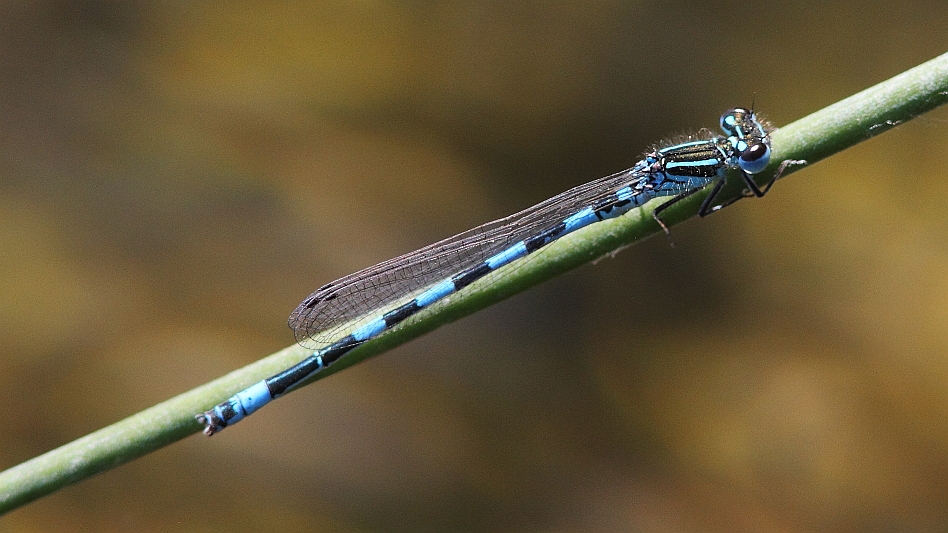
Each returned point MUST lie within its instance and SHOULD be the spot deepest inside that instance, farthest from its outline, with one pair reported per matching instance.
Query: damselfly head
(749, 138)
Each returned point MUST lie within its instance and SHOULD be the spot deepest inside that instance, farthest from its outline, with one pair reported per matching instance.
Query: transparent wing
(317, 320)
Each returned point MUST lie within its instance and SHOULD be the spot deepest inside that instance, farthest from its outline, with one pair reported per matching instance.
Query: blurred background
(175, 178)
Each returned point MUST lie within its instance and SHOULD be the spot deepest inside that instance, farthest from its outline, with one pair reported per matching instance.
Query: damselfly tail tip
(210, 421)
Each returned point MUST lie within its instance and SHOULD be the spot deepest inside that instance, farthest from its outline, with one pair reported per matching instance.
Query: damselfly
(343, 314)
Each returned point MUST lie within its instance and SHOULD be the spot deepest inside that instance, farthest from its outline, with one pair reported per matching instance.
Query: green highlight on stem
(809, 139)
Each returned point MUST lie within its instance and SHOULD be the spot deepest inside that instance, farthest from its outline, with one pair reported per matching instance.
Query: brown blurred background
(175, 178)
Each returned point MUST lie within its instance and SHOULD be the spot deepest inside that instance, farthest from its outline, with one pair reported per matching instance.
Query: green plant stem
(812, 138)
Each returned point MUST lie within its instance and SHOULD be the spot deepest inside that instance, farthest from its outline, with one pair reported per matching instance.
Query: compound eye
(755, 158)
(731, 120)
